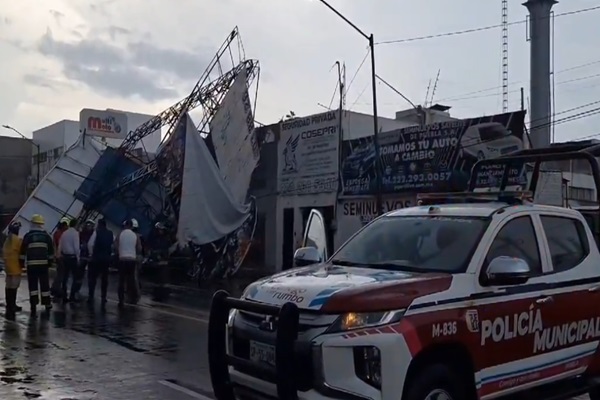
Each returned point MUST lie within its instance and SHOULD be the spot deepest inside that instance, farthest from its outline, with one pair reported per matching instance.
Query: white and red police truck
(467, 296)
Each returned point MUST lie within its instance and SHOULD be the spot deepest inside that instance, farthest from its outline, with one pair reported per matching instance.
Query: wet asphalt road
(148, 351)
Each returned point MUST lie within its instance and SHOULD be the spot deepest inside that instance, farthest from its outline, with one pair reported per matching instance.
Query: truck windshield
(422, 244)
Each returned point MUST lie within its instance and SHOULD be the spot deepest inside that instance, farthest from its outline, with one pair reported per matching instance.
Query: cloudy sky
(59, 56)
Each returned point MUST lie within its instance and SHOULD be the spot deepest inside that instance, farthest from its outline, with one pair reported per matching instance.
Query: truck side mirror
(307, 256)
(505, 270)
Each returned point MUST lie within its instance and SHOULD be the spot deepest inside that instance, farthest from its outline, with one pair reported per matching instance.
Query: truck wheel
(594, 393)
(437, 382)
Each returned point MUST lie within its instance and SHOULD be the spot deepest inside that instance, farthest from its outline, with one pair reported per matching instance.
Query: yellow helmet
(37, 219)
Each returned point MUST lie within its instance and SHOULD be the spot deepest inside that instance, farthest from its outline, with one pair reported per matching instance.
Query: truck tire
(437, 382)
(594, 393)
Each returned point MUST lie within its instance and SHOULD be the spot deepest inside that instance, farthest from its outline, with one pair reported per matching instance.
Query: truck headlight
(351, 321)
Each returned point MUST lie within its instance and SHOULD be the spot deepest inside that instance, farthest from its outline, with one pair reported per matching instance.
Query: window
(578, 193)
(427, 243)
(517, 239)
(567, 241)
(315, 235)
(492, 132)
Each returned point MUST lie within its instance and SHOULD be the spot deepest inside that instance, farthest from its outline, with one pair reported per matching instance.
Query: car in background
(489, 140)
(360, 162)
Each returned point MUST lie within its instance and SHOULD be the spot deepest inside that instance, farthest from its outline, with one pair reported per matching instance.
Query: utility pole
(541, 106)
(370, 38)
(10, 128)
(342, 86)
(522, 99)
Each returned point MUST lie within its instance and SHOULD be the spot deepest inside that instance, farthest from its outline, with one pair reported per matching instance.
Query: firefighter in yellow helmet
(37, 253)
(10, 250)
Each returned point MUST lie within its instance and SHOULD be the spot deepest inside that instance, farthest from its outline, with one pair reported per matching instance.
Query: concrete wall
(15, 169)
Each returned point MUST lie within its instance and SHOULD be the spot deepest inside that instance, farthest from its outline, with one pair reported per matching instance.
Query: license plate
(262, 353)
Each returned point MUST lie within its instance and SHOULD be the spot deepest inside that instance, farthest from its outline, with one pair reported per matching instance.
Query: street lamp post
(32, 142)
(371, 40)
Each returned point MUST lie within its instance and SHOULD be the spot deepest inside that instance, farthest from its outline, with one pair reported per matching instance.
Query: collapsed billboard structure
(201, 196)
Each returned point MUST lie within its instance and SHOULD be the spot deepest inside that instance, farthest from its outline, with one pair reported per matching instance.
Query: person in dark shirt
(100, 248)
(159, 248)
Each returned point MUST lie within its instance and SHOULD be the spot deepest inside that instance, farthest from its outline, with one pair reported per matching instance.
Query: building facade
(15, 172)
(282, 215)
(54, 139)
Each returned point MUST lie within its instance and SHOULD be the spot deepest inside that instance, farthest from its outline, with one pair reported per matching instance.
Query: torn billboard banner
(232, 135)
(307, 154)
(208, 210)
(431, 157)
(103, 123)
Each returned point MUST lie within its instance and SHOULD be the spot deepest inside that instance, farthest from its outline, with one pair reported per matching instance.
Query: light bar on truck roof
(475, 197)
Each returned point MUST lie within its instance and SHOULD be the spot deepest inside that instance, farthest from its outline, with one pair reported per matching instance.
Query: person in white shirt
(69, 248)
(128, 246)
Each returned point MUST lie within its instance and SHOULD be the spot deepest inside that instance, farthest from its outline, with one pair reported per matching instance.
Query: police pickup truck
(466, 296)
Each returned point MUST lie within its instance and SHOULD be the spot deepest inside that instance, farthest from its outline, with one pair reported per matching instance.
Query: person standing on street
(11, 251)
(100, 251)
(128, 246)
(159, 254)
(84, 237)
(69, 248)
(137, 293)
(56, 291)
(37, 254)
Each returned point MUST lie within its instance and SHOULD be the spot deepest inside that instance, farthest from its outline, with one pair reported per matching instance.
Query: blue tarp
(130, 202)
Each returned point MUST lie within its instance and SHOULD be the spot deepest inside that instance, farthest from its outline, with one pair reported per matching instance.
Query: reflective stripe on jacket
(37, 248)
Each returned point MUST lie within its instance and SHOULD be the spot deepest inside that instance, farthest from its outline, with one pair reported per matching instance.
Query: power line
(480, 29)
(564, 120)
(514, 90)
(578, 66)
(569, 110)
(358, 70)
(466, 97)
(358, 97)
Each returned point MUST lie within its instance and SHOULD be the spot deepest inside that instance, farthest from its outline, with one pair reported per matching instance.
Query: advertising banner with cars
(308, 153)
(354, 213)
(430, 158)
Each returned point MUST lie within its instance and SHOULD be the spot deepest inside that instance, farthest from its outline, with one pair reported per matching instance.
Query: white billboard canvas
(232, 133)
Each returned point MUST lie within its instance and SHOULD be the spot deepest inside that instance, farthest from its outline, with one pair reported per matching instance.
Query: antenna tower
(437, 79)
(504, 55)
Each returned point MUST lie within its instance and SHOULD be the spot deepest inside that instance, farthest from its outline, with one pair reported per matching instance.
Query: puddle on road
(11, 375)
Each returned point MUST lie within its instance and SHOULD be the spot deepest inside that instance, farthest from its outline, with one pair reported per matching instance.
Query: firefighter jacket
(37, 248)
(11, 251)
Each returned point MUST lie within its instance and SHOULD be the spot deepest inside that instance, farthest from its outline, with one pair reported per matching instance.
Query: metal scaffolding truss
(210, 97)
(208, 93)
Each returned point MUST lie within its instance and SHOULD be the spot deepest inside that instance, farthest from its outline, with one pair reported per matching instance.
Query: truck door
(315, 234)
(570, 338)
(504, 319)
